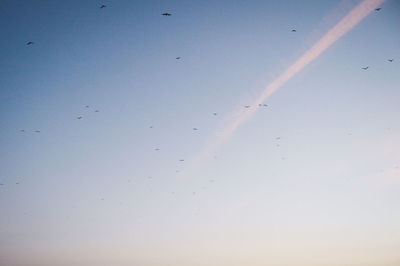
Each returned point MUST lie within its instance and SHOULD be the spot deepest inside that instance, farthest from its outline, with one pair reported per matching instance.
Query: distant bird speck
(166, 14)
(96, 111)
(293, 30)
(102, 6)
(377, 9)
(157, 149)
(181, 160)
(79, 117)
(22, 130)
(178, 58)
(215, 113)
(29, 43)
(390, 60)
(365, 68)
(247, 106)
(195, 128)
(87, 106)
(37, 131)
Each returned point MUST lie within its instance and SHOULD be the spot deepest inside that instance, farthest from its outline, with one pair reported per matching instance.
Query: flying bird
(247, 106)
(390, 60)
(37, 131)
(214, 113)
(377, 9)
(22, 130)
(79, 117)
(181, 160)
(29, 43)
(156, 149)
(166, 14)
(87, 106)
(293, 30)
(102, 6)
(96, 111)
(178, 58)
(365, 68)
(195, 128)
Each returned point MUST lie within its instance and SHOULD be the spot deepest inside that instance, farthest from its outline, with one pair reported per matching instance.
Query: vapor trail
(341, 28)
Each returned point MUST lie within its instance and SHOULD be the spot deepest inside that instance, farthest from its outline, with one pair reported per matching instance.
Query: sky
(312, 178)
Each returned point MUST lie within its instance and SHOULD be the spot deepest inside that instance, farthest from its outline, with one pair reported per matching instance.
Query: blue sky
(94, 191)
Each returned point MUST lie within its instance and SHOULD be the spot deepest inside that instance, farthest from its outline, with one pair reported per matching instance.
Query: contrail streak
(341, 28)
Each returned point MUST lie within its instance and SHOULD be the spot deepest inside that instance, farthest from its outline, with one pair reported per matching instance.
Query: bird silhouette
(181, 160)
(166, 14)
(365, 68)
(29, 43)
(247, 106)
(79, 117)
(293, 30)
(377, 9)
(390, 60)
(22, 130)
(195, 128)
(37, 131)
(178, 57)
(102, 6)
(96, 111)
(215, 114)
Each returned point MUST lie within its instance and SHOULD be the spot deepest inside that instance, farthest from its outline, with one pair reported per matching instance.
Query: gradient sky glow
(312, 179)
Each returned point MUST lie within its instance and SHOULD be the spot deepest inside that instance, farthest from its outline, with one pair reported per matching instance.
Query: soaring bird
(365, 68)
(156, 149)
(96, 111)
(29, 43)
(390, 60)
(293, 30)
(87, 106)
(37, 131)
(22, 130)
(195, 128)
(377, 9)
(178, 58)
(166, 14)
(102, 6)
(181, 160)
(247, 106)
(79, 117)
(214, 113)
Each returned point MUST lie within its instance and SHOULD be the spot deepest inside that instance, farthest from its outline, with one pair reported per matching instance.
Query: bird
(390, 60)
(102, 6)
(365, 68)
(156, 149)
(215, 114)
(29, 43)
(247, 106)
(96, 111)
(151, 126)
(79, 117)
(278, 138)
(178, 58)
(377, 9)
(195, 128)
(166, 14)
(17, 183)
(37, 131)
(181, 160)
(293, 30)
(265, 105)
(22, 130)
(87, 106)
